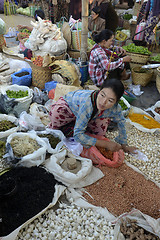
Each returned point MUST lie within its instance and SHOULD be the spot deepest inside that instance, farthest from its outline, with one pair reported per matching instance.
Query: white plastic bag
(152, 109)
(68, 178)
(29, 122)
(34, 159)
(75, 147)
(56, 133)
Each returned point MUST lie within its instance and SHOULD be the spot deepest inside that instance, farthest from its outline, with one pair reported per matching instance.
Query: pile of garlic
(148, 144)
(68, 222)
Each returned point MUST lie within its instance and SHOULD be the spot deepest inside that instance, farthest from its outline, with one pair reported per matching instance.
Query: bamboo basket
(138, 58)
(141, 78)
(40, 75)
(76, 54)
(158, 79)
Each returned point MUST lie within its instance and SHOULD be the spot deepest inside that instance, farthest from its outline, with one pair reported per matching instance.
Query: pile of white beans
(68, 222)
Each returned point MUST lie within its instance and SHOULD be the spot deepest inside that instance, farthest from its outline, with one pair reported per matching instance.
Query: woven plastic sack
(139, 28)
(25, 80)
(76, 35)
(97, 158)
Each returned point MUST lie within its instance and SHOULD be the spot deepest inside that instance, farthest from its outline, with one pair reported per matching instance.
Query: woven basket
(158, 79)
(76, 54)
(40, 75)
(138, 58)
(141, 78)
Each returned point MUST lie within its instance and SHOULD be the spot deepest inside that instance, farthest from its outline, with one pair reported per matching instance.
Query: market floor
(14, 20)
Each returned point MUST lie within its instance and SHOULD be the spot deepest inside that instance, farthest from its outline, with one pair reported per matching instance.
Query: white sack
(152, 109)
(11, 130)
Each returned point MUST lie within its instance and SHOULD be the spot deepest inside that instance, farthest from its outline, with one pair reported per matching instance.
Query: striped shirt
(81, 105)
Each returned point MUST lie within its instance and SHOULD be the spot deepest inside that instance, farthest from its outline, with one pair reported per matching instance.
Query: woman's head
(104, 38)
(95, 12)
(39, 13)
(110, 93)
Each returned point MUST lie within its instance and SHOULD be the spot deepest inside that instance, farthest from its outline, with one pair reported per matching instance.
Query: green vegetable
(16, 94)
(137, 49)
(52, 139)
(127, 16)
(6, 125)
(155, 58)
(2, 148)
(122, 104)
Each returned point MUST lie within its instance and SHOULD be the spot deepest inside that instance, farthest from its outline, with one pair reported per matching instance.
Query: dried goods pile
(131, 230)
(145, 120)
(122, 189)
(68, 222)
(52, 139)
(23, 146)
(2, 148)
(35, 190)
(106, 153)
(6, 125)
(17, 94)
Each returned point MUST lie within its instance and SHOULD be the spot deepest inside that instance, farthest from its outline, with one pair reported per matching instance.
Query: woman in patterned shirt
(86, 111)
(105, 61)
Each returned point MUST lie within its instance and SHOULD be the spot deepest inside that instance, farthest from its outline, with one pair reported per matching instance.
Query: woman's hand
(128, 149)
(122, 51)
(127, 59)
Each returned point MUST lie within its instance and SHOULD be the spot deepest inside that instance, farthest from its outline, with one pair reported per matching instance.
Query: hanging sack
(139, 31)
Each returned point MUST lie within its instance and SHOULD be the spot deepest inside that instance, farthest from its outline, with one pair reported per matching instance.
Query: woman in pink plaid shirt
(107, 61)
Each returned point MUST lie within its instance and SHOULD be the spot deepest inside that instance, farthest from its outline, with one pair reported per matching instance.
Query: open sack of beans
(100, 156)
(142, 120)
(25, 149)
(73, 171)
(8, 125)
(53, 139)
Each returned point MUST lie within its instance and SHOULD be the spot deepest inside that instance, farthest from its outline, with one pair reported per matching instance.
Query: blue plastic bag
(24, 80)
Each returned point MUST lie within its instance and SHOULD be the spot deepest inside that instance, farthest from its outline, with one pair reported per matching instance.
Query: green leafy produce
(137, 49)
(127, 16)
(155, 58)
(122, 104)
(6, 125)
(142, 70)
(2, 148)
(90, 43)
(52, 139)
(16, 94)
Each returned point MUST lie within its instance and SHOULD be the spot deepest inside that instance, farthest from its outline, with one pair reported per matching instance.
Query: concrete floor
(14, 20)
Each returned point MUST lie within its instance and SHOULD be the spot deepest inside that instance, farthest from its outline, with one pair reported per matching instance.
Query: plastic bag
(75, 147)
(39, 96)
(29, 122)
(34, 159)
(94, 154)
(11, 130)
(139, 155)
(2, 27)
(24, 80)
(41, 112)
(152, 109)
(18, 64)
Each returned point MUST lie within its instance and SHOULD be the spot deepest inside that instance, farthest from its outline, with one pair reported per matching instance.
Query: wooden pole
(84, 37)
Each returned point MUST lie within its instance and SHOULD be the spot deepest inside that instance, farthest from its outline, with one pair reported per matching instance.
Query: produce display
(137, 49)
(127, 16)
(155, 58)
(2, 148)
(106, 153)
(131, 230)
(6, 125)
(143, 119)
(23, 146)
(16, 94)
(123, 105)
(38, 61)
(24, 11)
(52, 139)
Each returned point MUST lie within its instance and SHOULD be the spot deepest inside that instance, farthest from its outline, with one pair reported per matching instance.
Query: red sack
(139, 28)
(97, 158)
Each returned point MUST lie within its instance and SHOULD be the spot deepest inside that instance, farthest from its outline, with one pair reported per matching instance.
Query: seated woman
(107, 61)
(86, 111)
(22, 37)
(95, 23)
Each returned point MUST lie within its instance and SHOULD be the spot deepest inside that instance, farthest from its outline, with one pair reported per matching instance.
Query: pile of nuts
(68, 222)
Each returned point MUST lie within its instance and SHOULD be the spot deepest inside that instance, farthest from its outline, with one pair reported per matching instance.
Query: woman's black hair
(39, 13)
(96, 10)
(105, 34)
(116, 85)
